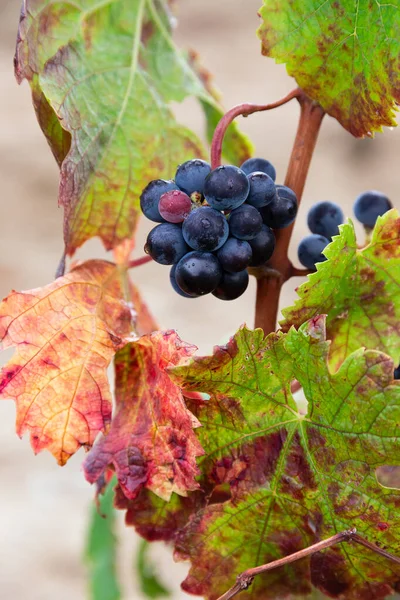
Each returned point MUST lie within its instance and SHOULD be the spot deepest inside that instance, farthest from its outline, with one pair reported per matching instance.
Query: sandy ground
(43, 509)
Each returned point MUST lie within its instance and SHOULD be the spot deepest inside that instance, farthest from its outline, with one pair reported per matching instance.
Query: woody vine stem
(279, 268)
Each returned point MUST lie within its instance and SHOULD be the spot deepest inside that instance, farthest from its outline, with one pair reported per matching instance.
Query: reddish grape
(174, 206)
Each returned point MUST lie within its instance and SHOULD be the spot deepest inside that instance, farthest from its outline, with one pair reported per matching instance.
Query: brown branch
(268, 289)
(137, 262)
(245, 579)
(295, 272)
(245, 110)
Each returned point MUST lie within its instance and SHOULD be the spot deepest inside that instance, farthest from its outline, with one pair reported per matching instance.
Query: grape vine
(273, 451)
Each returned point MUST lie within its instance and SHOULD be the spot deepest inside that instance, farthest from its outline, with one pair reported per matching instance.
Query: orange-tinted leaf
(65, 335)
(151, 442)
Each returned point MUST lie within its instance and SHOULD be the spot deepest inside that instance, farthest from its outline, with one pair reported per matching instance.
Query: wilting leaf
(65, 335)
(151, 442)
(150, 584)
(101, 549)
(108, 72)
(294, 479)
(359, 290)
(344, 54)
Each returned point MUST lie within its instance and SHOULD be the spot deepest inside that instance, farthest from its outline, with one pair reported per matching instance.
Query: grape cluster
(214, 224)
(324, 219)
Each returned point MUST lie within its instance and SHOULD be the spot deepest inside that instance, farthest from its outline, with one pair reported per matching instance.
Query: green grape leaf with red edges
(359, 290)
(294, 479)
(151, 442)
(65, 335)
(108, 71)
(344, 54)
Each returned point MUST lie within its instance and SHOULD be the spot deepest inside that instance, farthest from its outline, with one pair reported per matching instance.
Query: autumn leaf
(359, 290)
(344, 54)
(156, 519)
(294, 479)
(107, 73)
(151, 442)
(65, 335)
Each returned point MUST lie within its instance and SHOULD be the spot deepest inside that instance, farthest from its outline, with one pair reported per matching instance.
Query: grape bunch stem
(268, 284)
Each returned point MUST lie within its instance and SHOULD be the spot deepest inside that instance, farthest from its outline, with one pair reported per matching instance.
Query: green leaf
(294, 479)
(359, 290)
(101, 549)
(108, 71)
(344, 54)
(150, 585)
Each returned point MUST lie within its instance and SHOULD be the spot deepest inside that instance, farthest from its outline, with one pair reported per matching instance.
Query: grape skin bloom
(226, 188)
(205, 229)
(165, 244)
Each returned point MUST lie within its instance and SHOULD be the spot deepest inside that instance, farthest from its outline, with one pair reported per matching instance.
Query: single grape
(205, 229)
(324, 218)
(262, 189)
(165, 244)
(245, 222)
(371, 205)
(174, 206)
(191, 175)
(198, 273)
(226, 188)
(396, 374)
(176, 286)
(262, 246)
(235, 255)
(310, 250)
(283, 191)
(232, 285)
(282, 211)
(259, 164)
(151, 195)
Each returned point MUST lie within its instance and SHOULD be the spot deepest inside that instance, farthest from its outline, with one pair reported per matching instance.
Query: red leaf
(151, 442)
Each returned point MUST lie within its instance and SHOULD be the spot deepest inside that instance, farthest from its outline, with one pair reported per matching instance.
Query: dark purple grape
(151, 195)
(205, 229)
(259, 164)
(226, 188)
(165, 244)
(176, 287)
(396, 374)
(191, 175)
(235, 255)
(282, 211)
(262, 189)
(245, 222)
(232, 285)
(371, 205)
(198, 273)
(310, 250)
(174, 206)
(324, 218)
(262, 246)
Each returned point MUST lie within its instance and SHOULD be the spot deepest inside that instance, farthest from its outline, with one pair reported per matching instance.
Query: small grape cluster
(324, 219)
(214, 224)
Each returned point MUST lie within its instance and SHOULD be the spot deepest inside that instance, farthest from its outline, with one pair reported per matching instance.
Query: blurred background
(43, 508)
